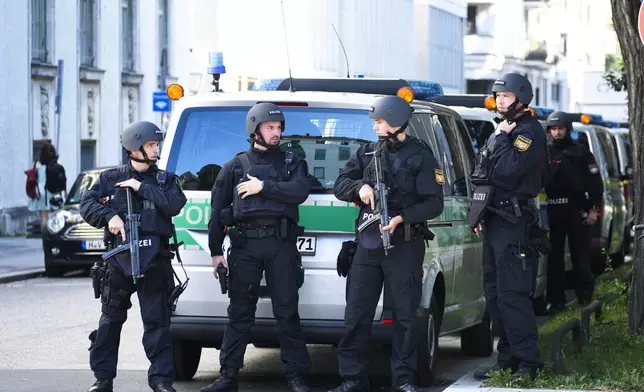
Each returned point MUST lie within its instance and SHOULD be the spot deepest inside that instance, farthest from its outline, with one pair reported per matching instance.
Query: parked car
(624, 150)
(329, 119)
(68, 241)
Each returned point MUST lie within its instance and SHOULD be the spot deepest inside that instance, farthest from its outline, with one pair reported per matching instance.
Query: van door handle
(439, 224)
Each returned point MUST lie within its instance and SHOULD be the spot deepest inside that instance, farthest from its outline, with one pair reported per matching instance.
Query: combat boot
(101, 386)
(297, 384)
(353, 385)
(160, 387)
(485, 372)
(407, 387)
(227, 381)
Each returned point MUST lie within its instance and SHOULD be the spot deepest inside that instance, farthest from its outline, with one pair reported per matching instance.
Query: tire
(187, 355)
(428, 348)
(478, 341)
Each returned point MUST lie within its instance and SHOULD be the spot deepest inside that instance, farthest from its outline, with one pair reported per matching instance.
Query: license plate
(93, 245)
(306, 245)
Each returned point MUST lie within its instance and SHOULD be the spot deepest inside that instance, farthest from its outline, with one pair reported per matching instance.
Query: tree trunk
(625, 21)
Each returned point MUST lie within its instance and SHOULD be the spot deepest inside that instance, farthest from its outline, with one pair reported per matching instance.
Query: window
(425, 127)
(127, 23)
(82, 184)
(214, 135)
(344, 153)
(458, 160)
(88, 154)
(164, 66)
(471, 19)
(320, 154)
(40, 19)
(479, 131)
(580, 137)
(87, 33)
(318, 172)
(627, 145)
(612, 163)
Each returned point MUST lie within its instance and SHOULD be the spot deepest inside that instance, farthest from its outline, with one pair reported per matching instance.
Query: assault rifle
(133, 244)
(381, 199)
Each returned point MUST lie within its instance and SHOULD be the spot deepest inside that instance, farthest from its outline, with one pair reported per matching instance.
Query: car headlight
(56, 221)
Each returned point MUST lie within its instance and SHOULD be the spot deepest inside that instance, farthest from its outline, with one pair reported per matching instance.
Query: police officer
(572, 173)
(415, 195)
(157, 197)
(508, 175)
(265, 186)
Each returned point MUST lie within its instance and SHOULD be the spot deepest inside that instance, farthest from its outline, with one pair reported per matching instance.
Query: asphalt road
(44, 324)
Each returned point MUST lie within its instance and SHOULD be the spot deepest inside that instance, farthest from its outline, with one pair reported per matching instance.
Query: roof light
(216, 63)
(175, 91)
(585, 119)
(406, 93)
(490, 103)
(532, 112)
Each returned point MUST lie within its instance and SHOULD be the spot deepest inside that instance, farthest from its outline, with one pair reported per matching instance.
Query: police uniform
(263, 230)
(158, 199)
(572, 173)
(508, 175)
(409, 171)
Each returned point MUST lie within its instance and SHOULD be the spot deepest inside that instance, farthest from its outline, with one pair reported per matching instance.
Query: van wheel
(478, 341)
(428, 347)
(187, 355)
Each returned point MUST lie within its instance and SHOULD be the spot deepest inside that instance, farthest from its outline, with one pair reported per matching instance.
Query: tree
(625, 21)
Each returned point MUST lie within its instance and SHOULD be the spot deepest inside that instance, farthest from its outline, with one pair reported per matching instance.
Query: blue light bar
(216, 63)
(423, 89)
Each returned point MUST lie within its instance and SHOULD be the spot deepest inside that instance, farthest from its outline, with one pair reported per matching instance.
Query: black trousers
(509, 270)
(153, 293)
(402, 272)
(282, 263)
(565, 220)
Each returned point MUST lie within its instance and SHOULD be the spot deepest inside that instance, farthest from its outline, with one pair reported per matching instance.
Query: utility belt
(512, 209)
(284, 229)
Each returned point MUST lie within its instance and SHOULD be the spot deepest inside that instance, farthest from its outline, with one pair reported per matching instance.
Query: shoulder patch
(522, 143)
(439, 176)
(594, 169)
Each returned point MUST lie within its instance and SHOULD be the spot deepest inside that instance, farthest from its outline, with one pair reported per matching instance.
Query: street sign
(160, 101)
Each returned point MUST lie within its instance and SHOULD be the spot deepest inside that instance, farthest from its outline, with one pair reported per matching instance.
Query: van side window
(421, 127)
(479, 131)
(610, 153)
(458, 158)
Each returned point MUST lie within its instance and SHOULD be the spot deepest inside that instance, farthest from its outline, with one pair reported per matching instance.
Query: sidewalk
(467, 383)
(20, 258)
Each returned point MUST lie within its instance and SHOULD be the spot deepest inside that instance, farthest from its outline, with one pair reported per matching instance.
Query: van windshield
(206, 138)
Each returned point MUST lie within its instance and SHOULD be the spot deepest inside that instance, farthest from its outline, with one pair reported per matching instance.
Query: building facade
(114, 55)
(420, 39)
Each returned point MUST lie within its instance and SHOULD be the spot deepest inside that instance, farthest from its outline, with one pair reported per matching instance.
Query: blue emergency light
(216, 63)
(423, 89)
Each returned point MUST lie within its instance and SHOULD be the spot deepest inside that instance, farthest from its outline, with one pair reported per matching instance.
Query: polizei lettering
(145, 243)
(479, 196)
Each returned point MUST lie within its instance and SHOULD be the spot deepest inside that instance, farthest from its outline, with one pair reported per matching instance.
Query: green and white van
(329, 118)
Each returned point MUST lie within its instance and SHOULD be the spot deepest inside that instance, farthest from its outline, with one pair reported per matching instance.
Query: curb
(21, 275)
(467, 383)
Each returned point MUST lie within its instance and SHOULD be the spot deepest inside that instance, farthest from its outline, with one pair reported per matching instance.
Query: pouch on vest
(149, 248)
(368, 228)
(480, 200)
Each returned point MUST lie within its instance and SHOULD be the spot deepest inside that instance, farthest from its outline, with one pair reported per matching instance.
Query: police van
(329, 120)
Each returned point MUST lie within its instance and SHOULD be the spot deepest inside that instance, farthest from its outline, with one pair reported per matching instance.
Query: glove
(345, 258)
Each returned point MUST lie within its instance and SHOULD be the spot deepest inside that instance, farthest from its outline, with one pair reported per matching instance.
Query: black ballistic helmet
(139, 132)
(558, 119)
(514, 83)
(263, 112)
(393, 109)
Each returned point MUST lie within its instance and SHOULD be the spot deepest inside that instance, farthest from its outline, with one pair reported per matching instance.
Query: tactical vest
(570, 172)
(484, 164)
(155, 229)
(257, 206)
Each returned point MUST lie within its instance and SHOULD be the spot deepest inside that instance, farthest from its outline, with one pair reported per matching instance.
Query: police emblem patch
(522, 143)
(593, 168)
(439, 176)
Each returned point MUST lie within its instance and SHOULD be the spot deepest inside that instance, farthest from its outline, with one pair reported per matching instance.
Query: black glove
(345, 257)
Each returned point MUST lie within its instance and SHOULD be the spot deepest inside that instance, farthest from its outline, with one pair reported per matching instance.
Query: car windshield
(83, 182)
(206, 138)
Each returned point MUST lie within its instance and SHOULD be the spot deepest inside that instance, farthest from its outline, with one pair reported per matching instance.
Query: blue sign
(160, 101)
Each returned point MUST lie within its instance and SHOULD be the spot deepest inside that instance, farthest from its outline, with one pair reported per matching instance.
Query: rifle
(133, 244)
(381, 196)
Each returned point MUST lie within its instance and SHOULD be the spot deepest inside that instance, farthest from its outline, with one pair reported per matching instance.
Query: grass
(613, 359)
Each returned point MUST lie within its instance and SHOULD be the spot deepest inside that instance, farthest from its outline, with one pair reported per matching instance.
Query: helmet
(393, 109)
(558, 119)
(138, 133)
(263, 112)
(514, 83)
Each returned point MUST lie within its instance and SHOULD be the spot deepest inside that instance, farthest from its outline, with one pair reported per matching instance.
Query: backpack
(31, 186)
(56, 179)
